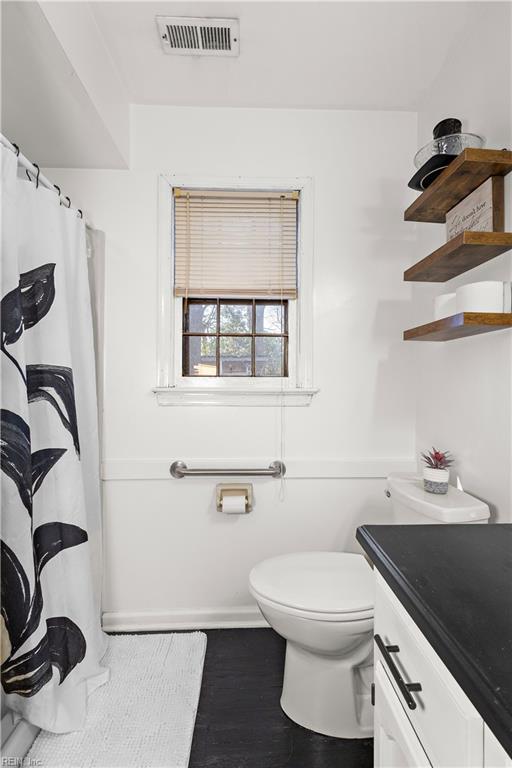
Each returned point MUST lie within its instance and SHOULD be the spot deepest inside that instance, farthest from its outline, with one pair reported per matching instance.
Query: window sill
(234, 397)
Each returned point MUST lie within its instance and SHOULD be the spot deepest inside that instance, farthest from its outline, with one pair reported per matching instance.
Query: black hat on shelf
(440, 158)
(447, 127)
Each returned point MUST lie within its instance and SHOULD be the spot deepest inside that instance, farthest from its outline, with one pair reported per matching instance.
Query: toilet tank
(413, 505)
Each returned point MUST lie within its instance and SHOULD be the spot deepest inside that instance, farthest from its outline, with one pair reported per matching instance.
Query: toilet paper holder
(235, 489)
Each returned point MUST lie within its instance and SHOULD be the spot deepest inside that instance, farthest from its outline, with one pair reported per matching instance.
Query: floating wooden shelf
(457, 326)
(467, 250)
(470, 169)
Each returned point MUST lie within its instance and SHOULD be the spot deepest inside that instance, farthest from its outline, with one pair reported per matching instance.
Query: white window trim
(173, 388)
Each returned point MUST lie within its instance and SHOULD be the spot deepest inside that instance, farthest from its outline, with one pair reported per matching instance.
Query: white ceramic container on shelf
(484, 296)
(445, 305)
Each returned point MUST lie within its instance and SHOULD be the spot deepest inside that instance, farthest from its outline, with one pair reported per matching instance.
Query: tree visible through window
(228, 337)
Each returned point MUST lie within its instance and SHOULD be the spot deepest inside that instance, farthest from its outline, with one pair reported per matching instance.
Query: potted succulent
(436, 472)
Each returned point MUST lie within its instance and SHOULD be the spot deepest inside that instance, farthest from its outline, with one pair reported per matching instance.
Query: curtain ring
(80, 213)
(29, 177)
(57, 188)
(69, 201)
(16, 148)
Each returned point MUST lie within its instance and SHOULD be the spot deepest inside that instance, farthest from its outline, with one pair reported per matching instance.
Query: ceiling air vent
(199, 37)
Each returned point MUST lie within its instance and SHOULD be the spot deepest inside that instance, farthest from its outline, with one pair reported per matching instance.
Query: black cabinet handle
(404, 688)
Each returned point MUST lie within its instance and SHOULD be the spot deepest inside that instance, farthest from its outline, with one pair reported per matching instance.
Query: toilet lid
(323, 582)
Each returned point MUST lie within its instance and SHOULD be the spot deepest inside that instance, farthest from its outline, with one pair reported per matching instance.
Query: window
(235, 338)
(236, 327)
(235, 244)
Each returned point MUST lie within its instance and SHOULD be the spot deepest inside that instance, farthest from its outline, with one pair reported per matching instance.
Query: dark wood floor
(240, 723)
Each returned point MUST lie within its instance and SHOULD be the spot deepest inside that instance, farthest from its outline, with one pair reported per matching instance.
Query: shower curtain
(52, 643)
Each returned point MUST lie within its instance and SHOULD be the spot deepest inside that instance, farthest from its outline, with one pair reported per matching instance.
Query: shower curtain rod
(34, 170)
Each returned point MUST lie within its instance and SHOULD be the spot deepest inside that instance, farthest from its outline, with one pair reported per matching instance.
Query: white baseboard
(18, 742)
(217, 618)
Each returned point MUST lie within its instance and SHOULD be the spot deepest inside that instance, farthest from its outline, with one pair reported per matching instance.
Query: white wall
(62, 100)
(167, 549)
(464, 386)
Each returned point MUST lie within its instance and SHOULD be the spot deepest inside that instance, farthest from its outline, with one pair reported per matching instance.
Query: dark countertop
(456, 583)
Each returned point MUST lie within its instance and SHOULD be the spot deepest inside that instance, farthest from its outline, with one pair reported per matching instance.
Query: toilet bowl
(322, 604)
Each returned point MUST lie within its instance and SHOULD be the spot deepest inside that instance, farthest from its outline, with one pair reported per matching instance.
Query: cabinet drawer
(448, 726)
(396, 745)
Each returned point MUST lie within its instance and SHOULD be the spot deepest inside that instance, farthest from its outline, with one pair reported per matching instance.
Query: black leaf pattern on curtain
(16, 600)
(42, 462)
(54, 383)
(27, 674)
(63, 645)
(26, 305)
(25, 469)
(52, 538)
(21, 612)
(15, 454)
(67, 645)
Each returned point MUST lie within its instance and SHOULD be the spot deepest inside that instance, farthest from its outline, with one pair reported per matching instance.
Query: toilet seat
(313, 615)
(322, 586)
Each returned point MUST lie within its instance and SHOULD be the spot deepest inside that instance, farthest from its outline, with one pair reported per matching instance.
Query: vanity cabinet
(395, 740)
(422, 716)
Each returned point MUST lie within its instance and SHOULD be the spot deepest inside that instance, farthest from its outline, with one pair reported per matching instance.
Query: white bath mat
(144, 717)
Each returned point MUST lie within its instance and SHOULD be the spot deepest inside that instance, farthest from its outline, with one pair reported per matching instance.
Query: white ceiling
(348, 55)
(66, 95)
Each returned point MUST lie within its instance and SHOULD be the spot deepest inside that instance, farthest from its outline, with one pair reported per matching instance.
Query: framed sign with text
(481, 211)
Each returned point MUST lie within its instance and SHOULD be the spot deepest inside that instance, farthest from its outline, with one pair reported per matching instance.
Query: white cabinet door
(447, 724)
(396, 744)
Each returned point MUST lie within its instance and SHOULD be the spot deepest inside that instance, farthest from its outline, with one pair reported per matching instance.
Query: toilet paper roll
(485, 296)
(444, 305)
(233, 504)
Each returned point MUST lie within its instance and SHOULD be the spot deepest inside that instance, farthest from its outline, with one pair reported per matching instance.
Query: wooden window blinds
(235, 243)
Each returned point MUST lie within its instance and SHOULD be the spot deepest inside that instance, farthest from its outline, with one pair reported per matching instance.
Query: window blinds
(235, 244)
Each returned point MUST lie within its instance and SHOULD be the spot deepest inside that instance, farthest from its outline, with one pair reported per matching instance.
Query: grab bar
(179, 469)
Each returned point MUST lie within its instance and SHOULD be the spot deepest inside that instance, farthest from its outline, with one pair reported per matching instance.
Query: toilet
(322, 604)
